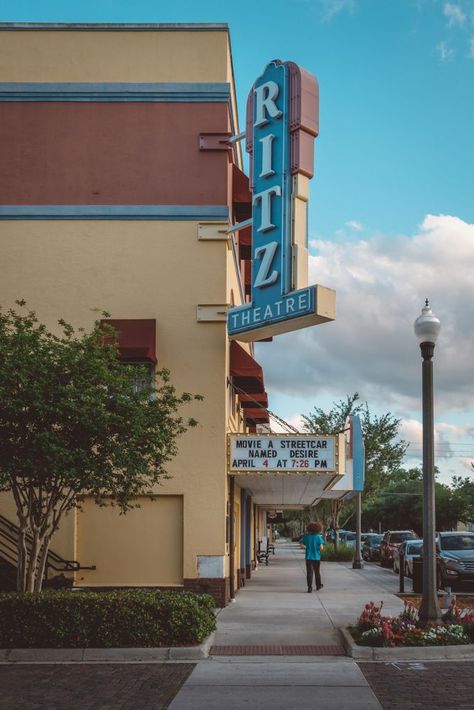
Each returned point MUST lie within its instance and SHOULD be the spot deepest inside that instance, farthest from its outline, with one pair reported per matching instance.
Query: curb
(405, 653)
(107, 655)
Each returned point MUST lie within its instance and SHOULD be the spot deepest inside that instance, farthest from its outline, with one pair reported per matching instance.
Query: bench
(264, 549)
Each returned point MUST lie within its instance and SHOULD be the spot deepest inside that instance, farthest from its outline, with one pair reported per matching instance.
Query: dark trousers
(313, 566)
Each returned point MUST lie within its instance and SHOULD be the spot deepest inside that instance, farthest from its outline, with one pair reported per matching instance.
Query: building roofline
(118, 26)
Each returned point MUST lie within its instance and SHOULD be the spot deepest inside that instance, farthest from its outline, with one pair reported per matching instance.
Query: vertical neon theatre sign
(282, 122)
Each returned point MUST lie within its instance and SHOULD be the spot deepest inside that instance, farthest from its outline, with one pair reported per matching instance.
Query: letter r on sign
(265, 98)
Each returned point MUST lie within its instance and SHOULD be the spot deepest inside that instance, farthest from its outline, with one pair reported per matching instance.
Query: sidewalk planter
(107, 655)
(405, 653)
(377, 637)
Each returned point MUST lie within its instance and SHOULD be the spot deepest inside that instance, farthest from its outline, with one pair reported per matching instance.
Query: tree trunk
(32, 567)
(22, 560)
(42, 564)
(335, 511)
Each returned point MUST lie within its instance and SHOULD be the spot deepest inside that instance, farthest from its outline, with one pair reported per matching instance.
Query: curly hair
(314, 528)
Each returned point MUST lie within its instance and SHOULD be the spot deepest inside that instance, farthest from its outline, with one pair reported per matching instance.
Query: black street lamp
(427, 327)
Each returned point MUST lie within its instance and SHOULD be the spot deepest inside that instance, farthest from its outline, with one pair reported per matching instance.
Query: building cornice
(118, 26)
(115, 91)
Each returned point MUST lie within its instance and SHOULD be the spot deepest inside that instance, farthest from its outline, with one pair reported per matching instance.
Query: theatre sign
(286, 453)
(282, 123)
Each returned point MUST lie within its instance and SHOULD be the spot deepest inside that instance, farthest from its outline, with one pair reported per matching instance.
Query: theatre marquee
(283, 453)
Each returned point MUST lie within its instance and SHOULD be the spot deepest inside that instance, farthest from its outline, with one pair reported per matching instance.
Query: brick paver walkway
(277, 650)
(441, 685)
(91, 686)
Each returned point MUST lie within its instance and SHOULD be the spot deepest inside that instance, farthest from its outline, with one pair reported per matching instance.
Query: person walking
(313, 542)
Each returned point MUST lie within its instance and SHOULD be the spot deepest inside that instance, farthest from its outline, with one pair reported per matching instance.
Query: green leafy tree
(74, 423)
(463, 490)
(400, 504)
(383, 452)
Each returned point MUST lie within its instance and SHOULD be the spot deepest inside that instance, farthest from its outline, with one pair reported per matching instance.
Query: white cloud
(381, 283)
(295, 420)
(450, 440)
(353, 224)
(445, 52)
(454, 13)
(330, 8)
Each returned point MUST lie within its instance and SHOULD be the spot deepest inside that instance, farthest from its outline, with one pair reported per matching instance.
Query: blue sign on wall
(358, 453)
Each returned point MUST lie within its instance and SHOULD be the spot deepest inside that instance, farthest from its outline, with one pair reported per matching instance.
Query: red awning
(246, 272)
(246, 372)
(241, 195)
(257, 416)
(240, 186)
(251, 401)
(136, 338)
(245, 243)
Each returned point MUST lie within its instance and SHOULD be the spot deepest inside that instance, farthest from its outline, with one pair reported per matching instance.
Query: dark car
(371, 547)
(392, 540)
(455, 552)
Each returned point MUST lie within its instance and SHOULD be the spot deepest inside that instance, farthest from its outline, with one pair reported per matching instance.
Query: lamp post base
(429, 612)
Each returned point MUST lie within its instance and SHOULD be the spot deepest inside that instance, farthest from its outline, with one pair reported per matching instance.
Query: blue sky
(396, 83)
(392, 200)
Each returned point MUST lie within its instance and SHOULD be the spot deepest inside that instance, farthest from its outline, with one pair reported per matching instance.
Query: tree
(400, 504)
(73, 423)
(463, 490)
(383, 454)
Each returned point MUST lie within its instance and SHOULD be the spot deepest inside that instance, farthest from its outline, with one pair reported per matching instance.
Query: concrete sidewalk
(274, 609)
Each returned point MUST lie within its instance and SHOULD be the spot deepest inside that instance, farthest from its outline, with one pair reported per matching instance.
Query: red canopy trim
(136, 338)
(251, 401)
(246, 272)
(257, 416)
(245, 243)
(246, 372)
(241, 195)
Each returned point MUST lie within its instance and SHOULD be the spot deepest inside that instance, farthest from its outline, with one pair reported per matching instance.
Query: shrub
(125, 618)
(343, 553)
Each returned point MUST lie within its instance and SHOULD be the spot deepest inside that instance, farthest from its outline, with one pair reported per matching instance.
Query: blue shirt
(312, 543)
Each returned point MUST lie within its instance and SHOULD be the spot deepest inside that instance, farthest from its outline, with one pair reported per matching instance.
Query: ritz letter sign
(282, 122)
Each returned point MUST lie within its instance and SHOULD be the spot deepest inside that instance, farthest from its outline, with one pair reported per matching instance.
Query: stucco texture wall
(143, 269)
(107, 56)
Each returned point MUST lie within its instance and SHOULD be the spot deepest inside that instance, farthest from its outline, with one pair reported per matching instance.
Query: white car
(411, 549)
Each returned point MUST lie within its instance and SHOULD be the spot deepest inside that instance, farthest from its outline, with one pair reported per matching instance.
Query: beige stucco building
(117, 188)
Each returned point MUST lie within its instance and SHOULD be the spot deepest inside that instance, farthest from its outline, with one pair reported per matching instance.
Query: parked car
(347, 538)
(371, 547)
(455, 553)
(392, 540)
(410, 549)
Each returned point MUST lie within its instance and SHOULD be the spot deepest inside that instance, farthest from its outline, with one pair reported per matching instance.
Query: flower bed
(374, 629)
